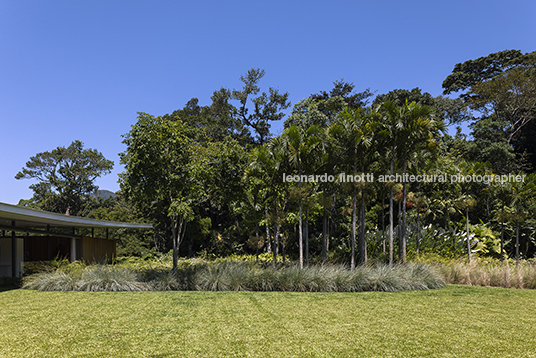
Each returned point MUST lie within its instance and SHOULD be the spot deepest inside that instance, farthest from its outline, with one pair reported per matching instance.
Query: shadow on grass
(8, 287)
(8, 284)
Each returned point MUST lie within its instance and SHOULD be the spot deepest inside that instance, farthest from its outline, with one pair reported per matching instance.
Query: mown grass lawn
(458, 321)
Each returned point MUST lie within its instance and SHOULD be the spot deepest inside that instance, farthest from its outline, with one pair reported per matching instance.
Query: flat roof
(27, 217)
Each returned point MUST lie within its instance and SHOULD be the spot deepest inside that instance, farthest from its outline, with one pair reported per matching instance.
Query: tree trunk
(391, 213)
(362, 243)
(330, 216)
(517, 242)
(399, 226)
(383, 225)
(502, 241)
(282, 247)
(300, 228)
(274, 248)
(403, 235)
(324, 234)
(352, 234)
(174, 239)
(257, 241)
(268, 241)
(467, 226)
(300, 233)
(418, 225)
(307, 236)
(176, 231)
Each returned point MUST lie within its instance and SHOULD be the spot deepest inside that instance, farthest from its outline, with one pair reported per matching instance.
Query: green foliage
(66, 177)
(267, 107)
(129, 241)
(160, 180)
(471, 72)
(485, 241)
(345, 91)
(501, 86)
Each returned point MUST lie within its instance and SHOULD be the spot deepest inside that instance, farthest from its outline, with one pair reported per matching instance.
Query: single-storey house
(35, 235)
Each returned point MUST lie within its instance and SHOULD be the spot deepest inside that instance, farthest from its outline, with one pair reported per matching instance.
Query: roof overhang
(32, 218)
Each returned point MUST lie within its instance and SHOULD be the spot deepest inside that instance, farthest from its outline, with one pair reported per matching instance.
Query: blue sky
(83, 69)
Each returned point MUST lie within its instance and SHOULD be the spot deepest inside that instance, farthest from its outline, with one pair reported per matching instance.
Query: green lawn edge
(456, 321)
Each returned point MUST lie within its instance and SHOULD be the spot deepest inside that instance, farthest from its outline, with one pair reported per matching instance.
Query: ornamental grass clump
(421, 276)
(230, 275)
(239, 276)
(55, 281)
(93, 278)
(222, 276)
(492, 273)
(165, 280)
(108, 278)
(388, 279)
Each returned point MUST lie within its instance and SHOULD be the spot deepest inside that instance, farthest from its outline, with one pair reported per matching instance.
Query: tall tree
(267, 107)
(502, 87)
(215, 122)
(66, 177)
(346, 91)
(409, 127)
(158, 177)
(419, 133)
(267, 163)
(519, 199)
(301, 145)
(391, 137)
(355, 133)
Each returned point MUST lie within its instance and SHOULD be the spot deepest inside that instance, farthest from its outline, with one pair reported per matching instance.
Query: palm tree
(521, 197)
(266, 163)
(354, 131)
(390, 134)
(410, 127)
(300, 144)
(466, 201)
(418, 135)
(329, 164)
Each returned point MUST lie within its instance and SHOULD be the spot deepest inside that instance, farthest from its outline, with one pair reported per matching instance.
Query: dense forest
(352, 178)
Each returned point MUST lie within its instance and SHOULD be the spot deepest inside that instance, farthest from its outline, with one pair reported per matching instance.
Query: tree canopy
(66, 177)
(334, 185)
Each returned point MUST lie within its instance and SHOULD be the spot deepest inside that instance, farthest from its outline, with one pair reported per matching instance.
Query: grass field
(458, 321)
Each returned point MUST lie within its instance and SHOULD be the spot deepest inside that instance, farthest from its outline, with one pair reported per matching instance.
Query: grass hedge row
(236, 276)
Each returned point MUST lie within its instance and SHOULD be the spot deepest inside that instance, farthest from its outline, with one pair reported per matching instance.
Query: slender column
(13, 252)
(48, 243)
(73, 247)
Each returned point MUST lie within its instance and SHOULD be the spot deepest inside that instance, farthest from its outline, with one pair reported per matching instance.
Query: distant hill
(104, 194)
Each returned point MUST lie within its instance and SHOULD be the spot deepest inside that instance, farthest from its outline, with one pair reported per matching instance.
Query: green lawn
(458, 321)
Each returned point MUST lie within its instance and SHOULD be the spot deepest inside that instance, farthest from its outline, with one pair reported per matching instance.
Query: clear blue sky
(83, 69)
